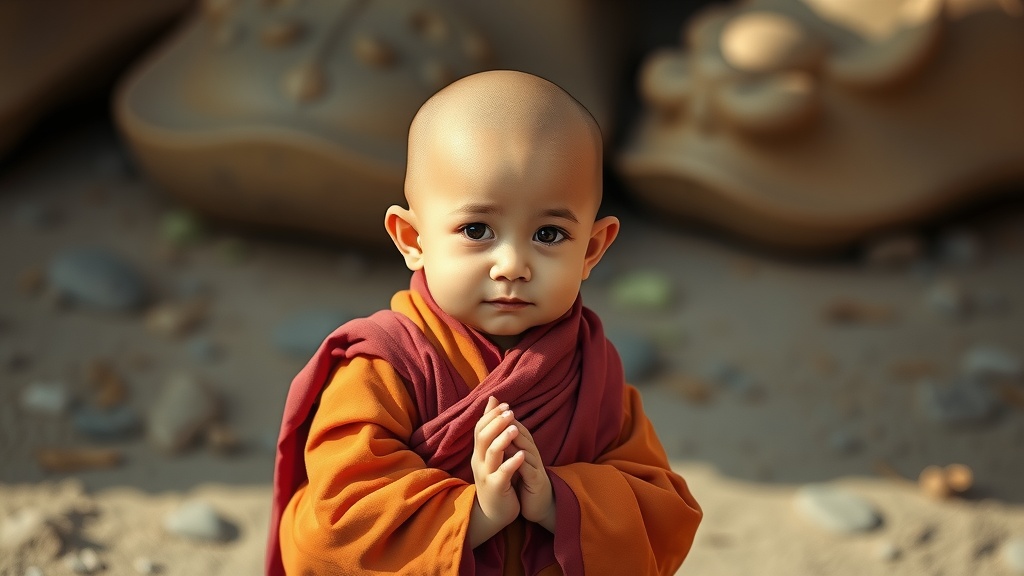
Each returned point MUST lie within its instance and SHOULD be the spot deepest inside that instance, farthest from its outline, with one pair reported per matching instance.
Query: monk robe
(373, 475)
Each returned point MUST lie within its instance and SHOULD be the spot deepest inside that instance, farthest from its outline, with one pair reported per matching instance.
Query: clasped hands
(502, 447)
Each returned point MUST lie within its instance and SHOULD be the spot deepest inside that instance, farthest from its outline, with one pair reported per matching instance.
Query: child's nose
(510, 263)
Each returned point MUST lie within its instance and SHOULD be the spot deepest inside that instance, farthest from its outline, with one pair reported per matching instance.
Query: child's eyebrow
(563, 213)
(477, 209)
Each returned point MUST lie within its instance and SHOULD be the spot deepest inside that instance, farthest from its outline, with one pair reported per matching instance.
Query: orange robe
(372, 506)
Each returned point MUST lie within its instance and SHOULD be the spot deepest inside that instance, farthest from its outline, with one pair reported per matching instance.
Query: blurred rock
(69, 460)
(1013, 555)
(985, 361)
(949, 299)
(836, 509)
(107, 424)
(966, 401)
(959, 247)
(197, 520)
(887, 551)
(845, 442)
(97, 277)
(203, 350)
(176, 319)
(642, 290)
(301, 334)
(638, 353)
(143, 565)
(83, 562)
(181, 229)
(107, 386)
(183, 408)
(36, 215)
(27, 529)
(851, 311)
(897, 251)
(51, 398)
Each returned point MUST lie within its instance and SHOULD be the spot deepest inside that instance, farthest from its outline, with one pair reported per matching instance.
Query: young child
(482, 425)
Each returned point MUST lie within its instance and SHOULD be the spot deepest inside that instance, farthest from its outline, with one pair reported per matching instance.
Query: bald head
(502, 123)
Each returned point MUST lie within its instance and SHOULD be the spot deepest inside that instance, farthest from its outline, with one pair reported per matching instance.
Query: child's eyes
(477, 231)
(550, 235)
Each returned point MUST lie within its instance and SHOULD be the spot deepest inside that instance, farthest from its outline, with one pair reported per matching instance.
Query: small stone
(144, 565)
(301, 334)
(637, 352)
(197, 520)
(116, 423)
(97, 277)
(175, 319)
(202, 349)
(31, 281)
(991, 362)
(108, 388)
(836, 509)
(1013, 555)
(429, 25)
(282, 33)
(372, 51)
(74, 563)
(932, 482)
(183, 408)
(180, 228)
(965, 402)
(33, 571)
(305, 83)
(887, 551)
(897, 251)
(77, 459)
(959, 248)
(844, 442)
(20, 528)
(949, 299)
(643, 290)
(222, 439)
(90, 560)
(850, 311)
(51, 398)
(695, 389)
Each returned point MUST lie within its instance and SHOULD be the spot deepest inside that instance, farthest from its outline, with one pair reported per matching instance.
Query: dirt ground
(832, 351)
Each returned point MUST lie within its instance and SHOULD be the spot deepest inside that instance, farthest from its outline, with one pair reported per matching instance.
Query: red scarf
(563, 379)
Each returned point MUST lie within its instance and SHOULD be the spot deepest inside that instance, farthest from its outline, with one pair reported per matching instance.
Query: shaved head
(502, 122)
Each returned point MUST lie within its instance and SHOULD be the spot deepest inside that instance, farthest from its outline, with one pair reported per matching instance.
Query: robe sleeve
(371, 505)
(634, 515)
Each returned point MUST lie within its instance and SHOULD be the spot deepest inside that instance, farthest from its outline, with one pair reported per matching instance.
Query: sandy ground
(830, 403)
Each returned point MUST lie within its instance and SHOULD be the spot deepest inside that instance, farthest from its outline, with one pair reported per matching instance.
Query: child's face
(506, 242)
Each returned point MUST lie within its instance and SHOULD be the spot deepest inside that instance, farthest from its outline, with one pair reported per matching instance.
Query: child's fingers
(496, 451)
(490, 415)
(509, 467)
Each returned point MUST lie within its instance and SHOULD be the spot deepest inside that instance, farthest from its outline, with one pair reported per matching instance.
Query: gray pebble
(887, 551)
(845, 442)
(301, 334)
(966, 401)
(197, 520)
(836, 509)
(99, 278)
(51, 398)
(33, 571)
(37, 216)
(949, 299)
(120, 422)
(959, 247)
(203, 349)
(1013, 555)
(184, 407)
(637, 352)
(986, 361)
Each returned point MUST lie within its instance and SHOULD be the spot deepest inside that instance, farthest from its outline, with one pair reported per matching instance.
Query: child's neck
(504, 342)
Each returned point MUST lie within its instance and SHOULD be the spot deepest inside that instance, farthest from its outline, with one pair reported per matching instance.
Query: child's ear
(601, 237)
(399, 223)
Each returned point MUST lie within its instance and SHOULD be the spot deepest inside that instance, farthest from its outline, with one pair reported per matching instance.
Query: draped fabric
(563, 380)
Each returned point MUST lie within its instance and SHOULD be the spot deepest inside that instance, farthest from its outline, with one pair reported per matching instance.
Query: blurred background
(817, 287)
